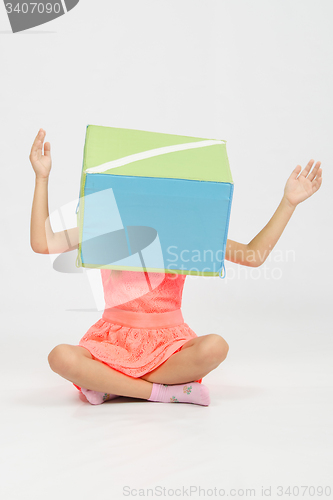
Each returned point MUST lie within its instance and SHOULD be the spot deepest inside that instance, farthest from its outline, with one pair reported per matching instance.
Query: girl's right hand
(41, 163)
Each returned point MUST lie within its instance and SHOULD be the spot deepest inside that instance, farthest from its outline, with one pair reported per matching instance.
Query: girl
(141, 346)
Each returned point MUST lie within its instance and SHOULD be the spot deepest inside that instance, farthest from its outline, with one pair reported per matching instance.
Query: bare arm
(297, 189)
(42, 238)
(262, 244)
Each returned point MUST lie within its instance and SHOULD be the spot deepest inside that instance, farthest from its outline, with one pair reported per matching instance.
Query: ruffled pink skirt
(135, 343)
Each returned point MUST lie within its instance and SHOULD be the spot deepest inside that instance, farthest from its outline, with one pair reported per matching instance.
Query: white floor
(269, 423)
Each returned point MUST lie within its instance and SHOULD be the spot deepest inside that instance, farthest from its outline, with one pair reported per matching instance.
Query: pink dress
(142, 323)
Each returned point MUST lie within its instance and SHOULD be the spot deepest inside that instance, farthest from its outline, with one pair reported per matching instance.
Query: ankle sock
(97, 398)
(192, 392)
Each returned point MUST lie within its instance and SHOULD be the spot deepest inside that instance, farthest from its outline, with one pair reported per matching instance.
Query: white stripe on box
(149, 154)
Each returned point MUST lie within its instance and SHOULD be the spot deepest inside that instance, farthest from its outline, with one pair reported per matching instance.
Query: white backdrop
(259, 75)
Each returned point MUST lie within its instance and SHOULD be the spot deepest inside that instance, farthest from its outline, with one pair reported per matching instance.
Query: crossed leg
(196, 359)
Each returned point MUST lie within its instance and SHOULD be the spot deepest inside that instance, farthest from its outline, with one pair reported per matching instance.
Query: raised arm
(42, 238)
(298, 188)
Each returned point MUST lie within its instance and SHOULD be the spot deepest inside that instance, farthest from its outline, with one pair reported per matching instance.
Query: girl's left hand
(300, 188)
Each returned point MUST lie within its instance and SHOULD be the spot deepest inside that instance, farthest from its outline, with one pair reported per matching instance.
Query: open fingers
(316, 183)
(295, 172)
(307, 168)
(314, 171)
